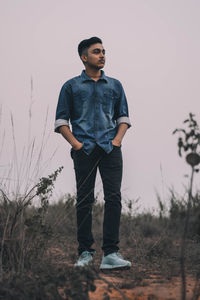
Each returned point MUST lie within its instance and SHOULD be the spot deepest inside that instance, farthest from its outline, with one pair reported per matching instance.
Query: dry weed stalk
(19, 186)
(189, 142)
(19, 229)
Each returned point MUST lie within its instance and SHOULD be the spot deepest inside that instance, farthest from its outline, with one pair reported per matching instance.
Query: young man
(97, 109)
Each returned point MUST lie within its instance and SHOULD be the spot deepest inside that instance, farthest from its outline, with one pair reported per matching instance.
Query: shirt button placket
(95, 111)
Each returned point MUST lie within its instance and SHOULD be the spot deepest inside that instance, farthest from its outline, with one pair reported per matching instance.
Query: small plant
(24, 234)
(189, 142)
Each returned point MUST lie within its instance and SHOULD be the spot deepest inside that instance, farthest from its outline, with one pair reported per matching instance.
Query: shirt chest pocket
(79, 102)
(108, 101)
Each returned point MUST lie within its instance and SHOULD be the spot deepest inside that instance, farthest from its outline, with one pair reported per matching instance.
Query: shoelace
(119, 255)
(85, 255)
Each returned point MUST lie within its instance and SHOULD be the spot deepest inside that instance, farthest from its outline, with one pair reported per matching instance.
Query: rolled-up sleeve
(121, 109)
(63, 108)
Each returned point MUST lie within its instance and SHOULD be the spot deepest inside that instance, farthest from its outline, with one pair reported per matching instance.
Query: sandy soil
(137, 283)
(154, 288)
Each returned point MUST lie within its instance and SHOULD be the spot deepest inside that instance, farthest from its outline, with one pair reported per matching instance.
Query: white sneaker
(114, 261)
(84, 259)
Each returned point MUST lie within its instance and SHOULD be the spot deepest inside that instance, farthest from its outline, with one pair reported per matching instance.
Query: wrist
(117, 139)
(77, 145)
(116, 142)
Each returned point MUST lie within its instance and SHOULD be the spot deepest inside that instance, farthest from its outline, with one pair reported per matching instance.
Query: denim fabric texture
(94, 109)
(110, 168)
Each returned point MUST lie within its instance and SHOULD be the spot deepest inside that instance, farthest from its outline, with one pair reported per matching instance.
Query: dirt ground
(155, 281)
(155, 288)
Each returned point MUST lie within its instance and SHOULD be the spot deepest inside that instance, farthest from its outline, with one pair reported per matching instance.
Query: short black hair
(87, 43)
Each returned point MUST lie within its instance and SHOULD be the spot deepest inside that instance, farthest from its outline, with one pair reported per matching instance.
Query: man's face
(95, 56)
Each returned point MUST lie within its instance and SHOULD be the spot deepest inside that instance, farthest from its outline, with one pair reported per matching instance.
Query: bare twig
(2, 247)
(183, 242)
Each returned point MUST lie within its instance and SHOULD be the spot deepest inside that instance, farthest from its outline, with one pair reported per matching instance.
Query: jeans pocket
(73, 151)
(117, 147)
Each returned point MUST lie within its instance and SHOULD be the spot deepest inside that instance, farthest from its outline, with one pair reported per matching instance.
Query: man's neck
(93, 74)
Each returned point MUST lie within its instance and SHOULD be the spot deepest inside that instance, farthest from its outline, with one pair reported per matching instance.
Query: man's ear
(84, 58)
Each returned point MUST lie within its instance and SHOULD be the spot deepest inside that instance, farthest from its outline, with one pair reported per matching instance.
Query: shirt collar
(85, 77)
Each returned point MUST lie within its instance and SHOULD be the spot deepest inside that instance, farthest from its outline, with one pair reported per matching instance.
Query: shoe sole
(113, 268)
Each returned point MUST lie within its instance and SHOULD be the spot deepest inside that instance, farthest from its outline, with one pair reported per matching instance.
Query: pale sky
(152, 47)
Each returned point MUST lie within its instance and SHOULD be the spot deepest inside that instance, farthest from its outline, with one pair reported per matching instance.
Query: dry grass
(41, 247)
(38, 243)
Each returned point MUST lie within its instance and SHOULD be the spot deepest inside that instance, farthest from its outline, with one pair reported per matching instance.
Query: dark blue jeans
(110, 168)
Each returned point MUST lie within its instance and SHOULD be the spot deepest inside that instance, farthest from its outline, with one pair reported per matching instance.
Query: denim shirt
(94, 109)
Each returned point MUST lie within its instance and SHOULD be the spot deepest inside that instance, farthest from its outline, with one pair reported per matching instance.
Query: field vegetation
(38, 248)
(38, 244)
